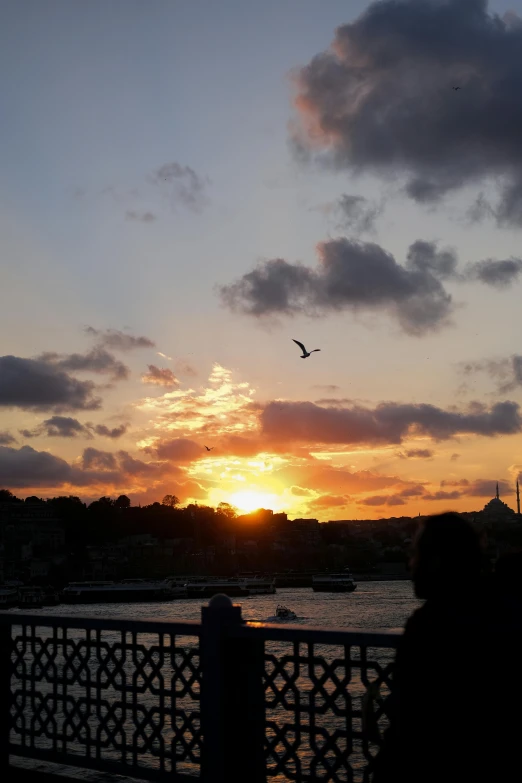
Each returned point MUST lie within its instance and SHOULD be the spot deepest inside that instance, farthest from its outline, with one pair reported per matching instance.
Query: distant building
(498, 511)
(306, 532)
(30, 529)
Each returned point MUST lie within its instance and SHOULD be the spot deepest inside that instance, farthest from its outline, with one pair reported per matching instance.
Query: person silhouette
(439, 708)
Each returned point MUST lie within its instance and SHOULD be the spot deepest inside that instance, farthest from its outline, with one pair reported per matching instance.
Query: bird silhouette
(306, 353)
(209, 449)
(456, 88)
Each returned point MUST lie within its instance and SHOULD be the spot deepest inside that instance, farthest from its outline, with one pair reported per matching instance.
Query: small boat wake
(283, 615)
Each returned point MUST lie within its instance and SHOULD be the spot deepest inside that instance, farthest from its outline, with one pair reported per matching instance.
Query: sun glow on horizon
(251, 500)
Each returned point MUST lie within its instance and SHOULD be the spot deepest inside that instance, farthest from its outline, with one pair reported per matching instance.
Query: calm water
(373, 606)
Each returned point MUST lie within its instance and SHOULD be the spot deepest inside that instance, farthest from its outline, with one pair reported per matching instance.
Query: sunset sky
(188, 186)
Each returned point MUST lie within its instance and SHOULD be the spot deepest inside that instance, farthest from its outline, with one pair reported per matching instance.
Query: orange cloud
(329, 501)
(159, 376)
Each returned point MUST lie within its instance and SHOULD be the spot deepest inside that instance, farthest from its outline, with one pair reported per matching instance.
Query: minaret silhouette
(518, 499)
(498, 496)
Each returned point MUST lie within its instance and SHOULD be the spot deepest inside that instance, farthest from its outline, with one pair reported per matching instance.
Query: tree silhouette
(170, 500)
(227, 510)
(122, 502)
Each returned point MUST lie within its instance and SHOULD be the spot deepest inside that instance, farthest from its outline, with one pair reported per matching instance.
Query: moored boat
(334, 583)
(294, 578)
(30, 597)
(51, 597)
(208, 587)
(234, 587)
(128, 591)
(258, 585)
(8, 597)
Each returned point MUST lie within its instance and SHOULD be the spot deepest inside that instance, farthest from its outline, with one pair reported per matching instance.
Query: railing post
(232, 698)
(5, 696)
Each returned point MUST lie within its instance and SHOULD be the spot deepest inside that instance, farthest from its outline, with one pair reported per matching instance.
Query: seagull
(456, 88)
(209, 449)
(306, 353)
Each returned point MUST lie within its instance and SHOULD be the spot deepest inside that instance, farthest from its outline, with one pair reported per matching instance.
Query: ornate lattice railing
(107, 695)
(222, 700)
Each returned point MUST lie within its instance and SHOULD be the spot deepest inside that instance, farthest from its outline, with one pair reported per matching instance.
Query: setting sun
(250, 501)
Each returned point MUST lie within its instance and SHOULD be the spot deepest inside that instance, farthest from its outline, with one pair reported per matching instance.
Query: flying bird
(456, 88)
(306, 353)
(209, 449)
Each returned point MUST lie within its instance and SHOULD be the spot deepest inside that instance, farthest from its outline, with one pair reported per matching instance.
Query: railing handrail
(317, 635)
(188, 627)
(255, 630)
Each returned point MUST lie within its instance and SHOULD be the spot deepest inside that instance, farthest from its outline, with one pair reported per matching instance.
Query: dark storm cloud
(499, 274)
(34, 384)
(30, 468)
(274, 286)
(507, 372)
(416, 454)
(395, 500)
(480, 210)
(185, 368)
(63, 427)
(139, 217)
(117, 340)
(443, 495)
(189, 188)
(381, 99)
(412, 492)
(108, 432)
(486, 488)
(67, 427)
(99, 460)
(383, 500)
(426, 257)
(119, 464)
(482, 488)
(355, 213)
(159, 376)
(136, 467)
(98, 360)
(6, 439)
(374, 500)
(386, 423)
(358, 214)
(178, 450)
(59, 427)
(326, 501)
(351, 276)
(26, 467)
(335, 402)
(300, 491)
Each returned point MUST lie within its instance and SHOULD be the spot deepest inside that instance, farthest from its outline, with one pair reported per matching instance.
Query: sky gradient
(186, 187)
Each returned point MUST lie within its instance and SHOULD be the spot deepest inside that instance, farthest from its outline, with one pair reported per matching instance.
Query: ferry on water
(30, 597)
(8, 597)
(233, 587)
(334, 583)
(127, 591)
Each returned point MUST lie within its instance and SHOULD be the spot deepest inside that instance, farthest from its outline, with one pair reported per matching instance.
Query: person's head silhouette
(447, 558)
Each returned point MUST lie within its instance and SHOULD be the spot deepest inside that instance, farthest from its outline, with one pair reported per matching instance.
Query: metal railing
(218, 700)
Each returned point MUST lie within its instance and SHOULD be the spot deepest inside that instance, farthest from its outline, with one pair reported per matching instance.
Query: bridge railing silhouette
(219, 701)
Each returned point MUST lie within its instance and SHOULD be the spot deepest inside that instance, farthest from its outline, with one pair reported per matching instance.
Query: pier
(218, 700)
